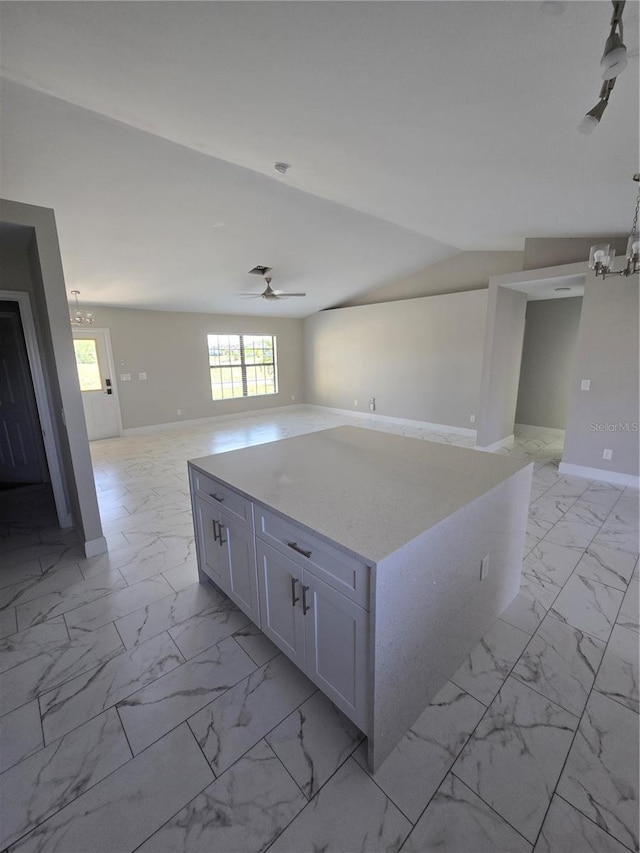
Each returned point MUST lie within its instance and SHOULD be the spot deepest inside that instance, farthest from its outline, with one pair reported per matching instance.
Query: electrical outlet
(472, 419)
(178, 411)
(607, 453)
(142, 376)
(585, 385)
(372, 404)
(484, 567)
(355, 402)
(125, 377)
(293, 396)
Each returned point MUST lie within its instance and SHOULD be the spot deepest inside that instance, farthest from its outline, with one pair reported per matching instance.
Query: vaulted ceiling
(414, 130)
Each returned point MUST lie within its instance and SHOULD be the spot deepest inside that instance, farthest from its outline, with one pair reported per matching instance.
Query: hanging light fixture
(602, 255)
(78, 316)
(613, 62)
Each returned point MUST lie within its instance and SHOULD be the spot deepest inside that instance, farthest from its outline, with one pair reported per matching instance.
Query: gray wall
(420, 358)
(464, 271)
(548, 355)
(542, 252)
(501, 364)
(607, 354)
(171, 348)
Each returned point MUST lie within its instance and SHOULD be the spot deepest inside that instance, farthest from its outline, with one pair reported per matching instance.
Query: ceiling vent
(260, 270)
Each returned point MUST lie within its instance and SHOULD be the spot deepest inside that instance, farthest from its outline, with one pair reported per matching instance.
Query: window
(87, 364)
(242, 365)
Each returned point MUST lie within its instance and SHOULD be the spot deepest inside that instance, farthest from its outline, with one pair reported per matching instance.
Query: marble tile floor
(141, 711)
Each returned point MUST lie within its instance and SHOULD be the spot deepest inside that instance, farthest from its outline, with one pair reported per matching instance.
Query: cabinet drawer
(215, 493)
(341, 571)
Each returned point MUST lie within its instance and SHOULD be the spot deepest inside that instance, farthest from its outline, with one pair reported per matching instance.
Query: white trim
(615, 477)
(95, 547)
(210, 419)
(529, 429)
(471, 433)
(42, 402)
(498, 445)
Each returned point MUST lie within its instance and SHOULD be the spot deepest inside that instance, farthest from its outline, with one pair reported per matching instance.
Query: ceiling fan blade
(249, 295)
(280, 293)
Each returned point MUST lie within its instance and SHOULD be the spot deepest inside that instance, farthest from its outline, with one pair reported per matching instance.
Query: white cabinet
(318, 628)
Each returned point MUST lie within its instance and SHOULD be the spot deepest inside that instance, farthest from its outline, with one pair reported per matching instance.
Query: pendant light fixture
(78, 316)
(602, 255)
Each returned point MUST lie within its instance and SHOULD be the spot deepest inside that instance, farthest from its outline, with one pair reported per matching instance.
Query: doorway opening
(96, 373)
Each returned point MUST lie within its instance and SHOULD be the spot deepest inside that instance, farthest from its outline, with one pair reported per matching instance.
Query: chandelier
(78, 316)
(602, 256)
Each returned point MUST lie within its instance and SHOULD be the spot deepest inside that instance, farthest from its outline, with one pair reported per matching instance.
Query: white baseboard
(497, 445)
(529, 429)
(615, 477)
(210, 419)
(95, 547)
(400, 421)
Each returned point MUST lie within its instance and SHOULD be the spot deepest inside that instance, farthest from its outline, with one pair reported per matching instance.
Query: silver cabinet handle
(305, 606)
(216, 498)
(294, 598)
(215, 530)
(295, 547)
(221, 527)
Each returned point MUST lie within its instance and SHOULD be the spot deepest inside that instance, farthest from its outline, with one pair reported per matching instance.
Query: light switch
(585, 385)
(142, 376)
(125, 377)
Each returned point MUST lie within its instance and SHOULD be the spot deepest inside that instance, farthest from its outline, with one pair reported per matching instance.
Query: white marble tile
(350, 813)
(125, 559)
(530, 606)
(59, 557)
(26, 645)
(587, 512)
(156, 709)
(20, 734)
(573, 534)
(8, 622)
(56, 664)
(601, 774)
(620, 536)
(561, 663)
(123, 810)
(625, 512)
(243, 811)
(182, 576)
(516, 754)
(602, 493)
(81, 592)
(485, 669)
(46, 782)
(88, 617)
(629, 614)
(458, 821)
(134, 521)
(164, 613)
(19, 572)
(256, 645)
(566, 830)
(413, 771)
(162, 561)
(242, 716)
(549, 563)
(618, 673)
(313, 742)
(588, 605)
(205, 629)
(549, 509)
(92, 692)
(43, 584)
(607, 565)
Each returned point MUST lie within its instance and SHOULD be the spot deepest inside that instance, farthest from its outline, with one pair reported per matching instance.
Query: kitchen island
(375, 562)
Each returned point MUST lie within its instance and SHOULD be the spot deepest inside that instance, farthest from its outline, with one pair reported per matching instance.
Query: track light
(614, 58)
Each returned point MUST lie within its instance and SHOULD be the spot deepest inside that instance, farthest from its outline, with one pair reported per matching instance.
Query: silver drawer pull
(216, 498)
(294, 545)
(215, 530)
(221, 527)
(294, 598)
(305, 606)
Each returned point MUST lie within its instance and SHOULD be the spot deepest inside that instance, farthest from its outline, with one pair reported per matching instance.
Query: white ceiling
(415, 130)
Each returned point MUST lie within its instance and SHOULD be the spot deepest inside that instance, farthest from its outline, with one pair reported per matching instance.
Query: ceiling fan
(269, 293)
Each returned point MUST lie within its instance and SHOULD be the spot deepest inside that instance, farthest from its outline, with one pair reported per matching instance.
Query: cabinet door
(336, 646)
(238, 547)
(279, 582)
(213, 560)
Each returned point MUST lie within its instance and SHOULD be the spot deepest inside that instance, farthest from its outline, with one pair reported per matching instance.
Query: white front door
(97, 382)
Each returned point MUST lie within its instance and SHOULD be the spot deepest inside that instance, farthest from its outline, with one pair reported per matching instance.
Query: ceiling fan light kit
(268, 293)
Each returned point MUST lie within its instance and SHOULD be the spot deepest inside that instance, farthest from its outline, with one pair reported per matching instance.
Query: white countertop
(369, 491)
